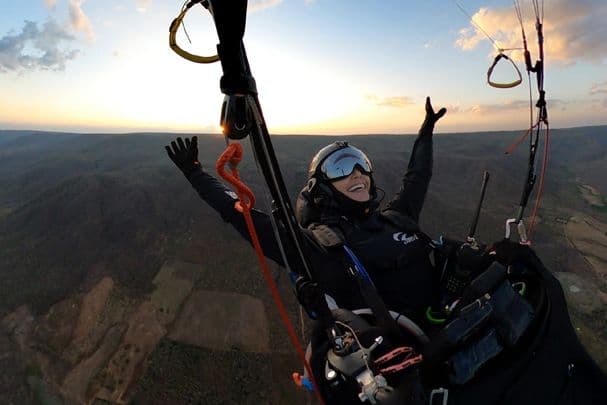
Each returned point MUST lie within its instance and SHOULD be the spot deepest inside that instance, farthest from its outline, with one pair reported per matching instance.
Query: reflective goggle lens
(342, 162)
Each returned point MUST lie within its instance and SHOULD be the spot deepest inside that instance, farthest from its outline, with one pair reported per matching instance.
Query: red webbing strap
(233, 156)
(410, 358)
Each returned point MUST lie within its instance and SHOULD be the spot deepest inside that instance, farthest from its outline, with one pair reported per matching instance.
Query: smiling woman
(355, 186)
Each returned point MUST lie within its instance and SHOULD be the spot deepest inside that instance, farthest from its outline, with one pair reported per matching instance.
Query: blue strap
(359, 268)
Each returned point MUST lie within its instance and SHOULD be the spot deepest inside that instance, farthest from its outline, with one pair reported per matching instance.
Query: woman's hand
(184, 155)
(431, 117)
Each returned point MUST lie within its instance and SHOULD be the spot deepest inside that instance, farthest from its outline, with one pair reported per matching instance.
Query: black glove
(185, 156)
(506, 252)
(431, 118)
(472, 258)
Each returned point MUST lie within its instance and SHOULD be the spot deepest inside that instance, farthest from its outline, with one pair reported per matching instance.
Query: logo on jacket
(404, 238)
(232, 194)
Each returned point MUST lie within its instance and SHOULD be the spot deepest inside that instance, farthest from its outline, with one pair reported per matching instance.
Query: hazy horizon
(193, 133)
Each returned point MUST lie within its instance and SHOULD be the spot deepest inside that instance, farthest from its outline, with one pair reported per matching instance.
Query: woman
(339, 206)
(340, 199)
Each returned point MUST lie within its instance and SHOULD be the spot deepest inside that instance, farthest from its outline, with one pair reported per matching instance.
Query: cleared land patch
(589, 237)
(223, 321)
(592, 196)
(146, 326)
(174, 283)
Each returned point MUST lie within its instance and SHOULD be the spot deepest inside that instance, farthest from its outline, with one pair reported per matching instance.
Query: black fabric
(398, 262)
(547, 366)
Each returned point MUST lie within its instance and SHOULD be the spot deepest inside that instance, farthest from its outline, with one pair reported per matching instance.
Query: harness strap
(370, 295)
(410, 358)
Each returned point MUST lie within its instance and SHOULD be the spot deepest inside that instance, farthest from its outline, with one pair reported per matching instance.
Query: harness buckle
(440, 395)
(521, 230)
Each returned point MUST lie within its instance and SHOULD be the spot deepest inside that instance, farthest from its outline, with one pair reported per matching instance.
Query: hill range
(119, 285)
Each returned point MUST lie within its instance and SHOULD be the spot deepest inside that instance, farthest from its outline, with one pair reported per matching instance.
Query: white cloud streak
(36, 49)
(397, 101)
(79, 20)
(50, 3)
(143, 5)
(510, 106)
(574, 30)
(599, 88)
(257, 5)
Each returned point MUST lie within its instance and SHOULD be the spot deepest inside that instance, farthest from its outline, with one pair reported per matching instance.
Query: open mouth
(356, 187)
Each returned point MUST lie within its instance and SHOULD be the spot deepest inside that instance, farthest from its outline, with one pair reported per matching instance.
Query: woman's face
(356, 186)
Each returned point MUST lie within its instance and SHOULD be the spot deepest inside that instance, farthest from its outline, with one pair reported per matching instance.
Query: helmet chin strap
(320, 202)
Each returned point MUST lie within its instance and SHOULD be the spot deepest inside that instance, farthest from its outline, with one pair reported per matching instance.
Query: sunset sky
(322, 66)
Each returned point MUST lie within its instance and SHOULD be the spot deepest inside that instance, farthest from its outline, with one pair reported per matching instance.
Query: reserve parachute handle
(515, 83)
(173, 34)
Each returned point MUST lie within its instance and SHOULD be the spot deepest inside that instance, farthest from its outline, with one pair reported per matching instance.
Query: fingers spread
(440, 113)
(170, 152)
(180, 143)
(195, 147)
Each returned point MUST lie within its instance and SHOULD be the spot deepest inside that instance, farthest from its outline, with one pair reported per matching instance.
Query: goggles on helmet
(342, 163)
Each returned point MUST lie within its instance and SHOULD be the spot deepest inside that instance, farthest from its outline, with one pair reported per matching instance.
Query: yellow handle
(179, 51)
(503, 85)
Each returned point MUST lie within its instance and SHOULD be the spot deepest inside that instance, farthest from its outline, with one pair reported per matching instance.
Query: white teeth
(357, 187)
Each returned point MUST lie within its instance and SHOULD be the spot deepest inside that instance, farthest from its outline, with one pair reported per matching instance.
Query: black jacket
(386, 242)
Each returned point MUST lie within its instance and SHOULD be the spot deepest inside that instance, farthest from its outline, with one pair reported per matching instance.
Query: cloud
(256, 5)
(143, 5)
(36, 49)
(574, 31)
(454, 109)
(398, 102)
(599, 88)
(514, 105)
(79, 20)
(50, 3)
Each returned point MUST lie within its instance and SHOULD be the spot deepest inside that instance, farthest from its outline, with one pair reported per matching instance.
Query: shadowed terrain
(118, 285)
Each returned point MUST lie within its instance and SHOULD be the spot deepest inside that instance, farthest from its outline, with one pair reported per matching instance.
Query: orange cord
(516, 143)
(233, 155)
